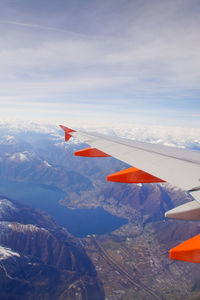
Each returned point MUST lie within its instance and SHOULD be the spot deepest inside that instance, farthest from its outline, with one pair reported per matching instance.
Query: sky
(135, 61)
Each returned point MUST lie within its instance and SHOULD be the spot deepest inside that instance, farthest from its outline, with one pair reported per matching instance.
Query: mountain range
(140, 247)
(40, 260)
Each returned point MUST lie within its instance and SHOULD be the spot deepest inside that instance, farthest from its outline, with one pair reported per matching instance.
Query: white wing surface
(152, 163)
(179, 167)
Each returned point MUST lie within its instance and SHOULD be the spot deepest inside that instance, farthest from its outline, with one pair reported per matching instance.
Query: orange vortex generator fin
(67, 130)
(187, 251)
(91, 152)
(133, 175)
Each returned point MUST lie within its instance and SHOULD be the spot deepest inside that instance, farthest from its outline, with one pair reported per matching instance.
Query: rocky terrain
(131, 262)
(39, 260)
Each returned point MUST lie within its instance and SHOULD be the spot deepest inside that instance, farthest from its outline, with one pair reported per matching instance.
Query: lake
(79, 222)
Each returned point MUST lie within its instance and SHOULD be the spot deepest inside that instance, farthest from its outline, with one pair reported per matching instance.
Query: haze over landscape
(129, 68)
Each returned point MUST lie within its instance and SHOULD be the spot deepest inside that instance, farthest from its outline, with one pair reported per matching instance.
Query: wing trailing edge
(188, 211)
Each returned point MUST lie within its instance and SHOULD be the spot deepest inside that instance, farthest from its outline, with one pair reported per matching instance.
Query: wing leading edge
(150, 163)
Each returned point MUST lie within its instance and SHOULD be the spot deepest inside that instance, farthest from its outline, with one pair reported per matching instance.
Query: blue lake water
(79, 222)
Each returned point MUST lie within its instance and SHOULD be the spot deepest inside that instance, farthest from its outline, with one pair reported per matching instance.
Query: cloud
(166, 135)
(41, 27)
(134, 56)
(30, 25)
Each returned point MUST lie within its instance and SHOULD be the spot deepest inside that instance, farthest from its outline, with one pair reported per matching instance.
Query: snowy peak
(33, 249)
(28, 156)
(47, 164)
(8, 140)
(17, 227)
(7, 253)
(7, 208)
(20, 157)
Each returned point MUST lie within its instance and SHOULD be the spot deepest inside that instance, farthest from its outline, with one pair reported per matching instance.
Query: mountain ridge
(44, 249)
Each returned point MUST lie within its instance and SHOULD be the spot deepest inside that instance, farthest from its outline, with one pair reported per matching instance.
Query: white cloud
(165, 135)
(29, 25)
(127, 55)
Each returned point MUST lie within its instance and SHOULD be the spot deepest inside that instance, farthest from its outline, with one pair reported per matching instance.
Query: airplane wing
(151, 163)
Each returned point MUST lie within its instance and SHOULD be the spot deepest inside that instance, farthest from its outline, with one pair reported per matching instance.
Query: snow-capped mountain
(37, 256)
(41, 157)
(28, 166)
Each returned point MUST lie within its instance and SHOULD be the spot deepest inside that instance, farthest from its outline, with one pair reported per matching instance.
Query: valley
(129, 247)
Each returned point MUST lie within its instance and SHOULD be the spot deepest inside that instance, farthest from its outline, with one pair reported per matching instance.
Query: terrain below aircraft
(152, 163)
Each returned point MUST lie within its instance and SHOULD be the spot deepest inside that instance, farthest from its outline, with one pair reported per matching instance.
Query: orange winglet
(91, 152)
(187, 251)
(67, 136)
(67, 130)
(133, 175)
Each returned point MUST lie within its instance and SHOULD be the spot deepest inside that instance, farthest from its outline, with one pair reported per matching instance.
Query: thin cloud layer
(140, 55)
